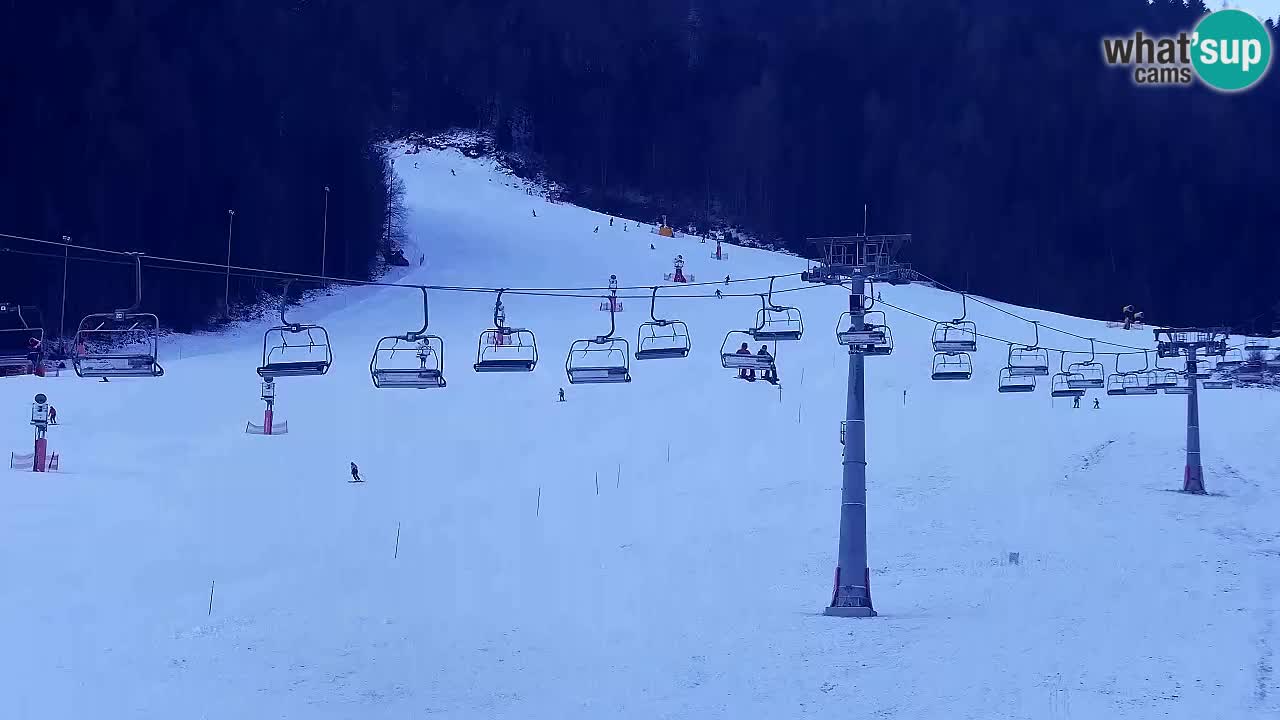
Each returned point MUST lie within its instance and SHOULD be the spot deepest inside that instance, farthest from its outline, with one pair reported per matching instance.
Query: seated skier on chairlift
(770, 375)
(424, 352)
(747, 374)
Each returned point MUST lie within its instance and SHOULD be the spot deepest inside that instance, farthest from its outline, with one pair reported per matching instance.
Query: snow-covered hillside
(659, 549)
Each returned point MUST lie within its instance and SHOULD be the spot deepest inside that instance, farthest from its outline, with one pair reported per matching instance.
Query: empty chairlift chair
(1182, 386)
(1139, 384)
(1233, 358)
(21, 338)
(414, 360)
(875, 337)
(952, 366)
(1249, 372)
(1087, 375)
(659, 338)
(505, 349)
(1118, 382)
(602, 359)
(1062, 385)
(1029, 360)
(1011, 382)
(956, 336)
(294, 349)
(122, 343)
(776, 322)
(1219, 383)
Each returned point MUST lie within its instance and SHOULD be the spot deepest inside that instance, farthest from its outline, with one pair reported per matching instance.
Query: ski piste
(689, 587)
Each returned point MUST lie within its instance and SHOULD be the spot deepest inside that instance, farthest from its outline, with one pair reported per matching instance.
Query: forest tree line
(1026, 169)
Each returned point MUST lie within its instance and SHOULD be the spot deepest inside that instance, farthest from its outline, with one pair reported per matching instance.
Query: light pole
(226, 290)
(324, 241)
(66, 255)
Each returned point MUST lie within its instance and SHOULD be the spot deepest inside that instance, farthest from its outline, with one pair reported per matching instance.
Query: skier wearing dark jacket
(746, 373)
(355, 473)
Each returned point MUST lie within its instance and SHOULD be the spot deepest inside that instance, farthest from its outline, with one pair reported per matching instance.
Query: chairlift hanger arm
(137, 284)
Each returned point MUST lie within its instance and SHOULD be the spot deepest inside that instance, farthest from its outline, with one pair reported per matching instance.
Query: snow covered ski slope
(656, 549)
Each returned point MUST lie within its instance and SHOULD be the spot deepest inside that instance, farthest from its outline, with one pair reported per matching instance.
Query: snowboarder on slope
(355, 473)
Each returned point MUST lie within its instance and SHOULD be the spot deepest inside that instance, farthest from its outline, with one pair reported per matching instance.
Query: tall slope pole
(1187, 342)
(1193, 476)
(852, 596)
(859, 259)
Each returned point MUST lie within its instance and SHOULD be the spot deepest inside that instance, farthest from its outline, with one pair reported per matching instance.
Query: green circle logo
(1232, 50)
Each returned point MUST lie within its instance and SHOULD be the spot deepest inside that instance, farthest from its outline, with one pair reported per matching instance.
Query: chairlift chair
(1163, 377)
(776, 322)
(505, 349)
(1256, 346)
(1183, 386)
(602, 359)
(1011, 382)
(414, 360)
(1249, 372)
(1029, 360)
(733, 357)
(658, 338)
(1139, 383)
(1116, 384)
(956, 336)
(19, 326)
(1062, 385)
(952, 366)
(875, 338)
(1233, 358)
(1087, 375)
(309, 355)
(1224, 383)
(122, 343)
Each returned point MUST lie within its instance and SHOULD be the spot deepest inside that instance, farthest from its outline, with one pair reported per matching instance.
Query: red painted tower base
(42, 447)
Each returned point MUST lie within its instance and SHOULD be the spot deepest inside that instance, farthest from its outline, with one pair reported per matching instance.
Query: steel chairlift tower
(857, 258)
(1187, 342)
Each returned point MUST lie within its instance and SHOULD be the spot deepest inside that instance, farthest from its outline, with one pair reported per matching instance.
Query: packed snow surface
(657, 549)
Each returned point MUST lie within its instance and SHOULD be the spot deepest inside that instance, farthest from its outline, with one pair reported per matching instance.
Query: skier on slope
(561, 394)
(1095, 403)
(53, 415)
(355, 473)
(1077, 403)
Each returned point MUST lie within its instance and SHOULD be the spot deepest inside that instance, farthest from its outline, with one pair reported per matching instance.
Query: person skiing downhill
(1077, 403)
(561, 394)
(355, 473)
(53, 415)
(1095, 404)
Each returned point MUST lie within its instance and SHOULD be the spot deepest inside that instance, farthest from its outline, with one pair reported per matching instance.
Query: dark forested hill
(1026, 168)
